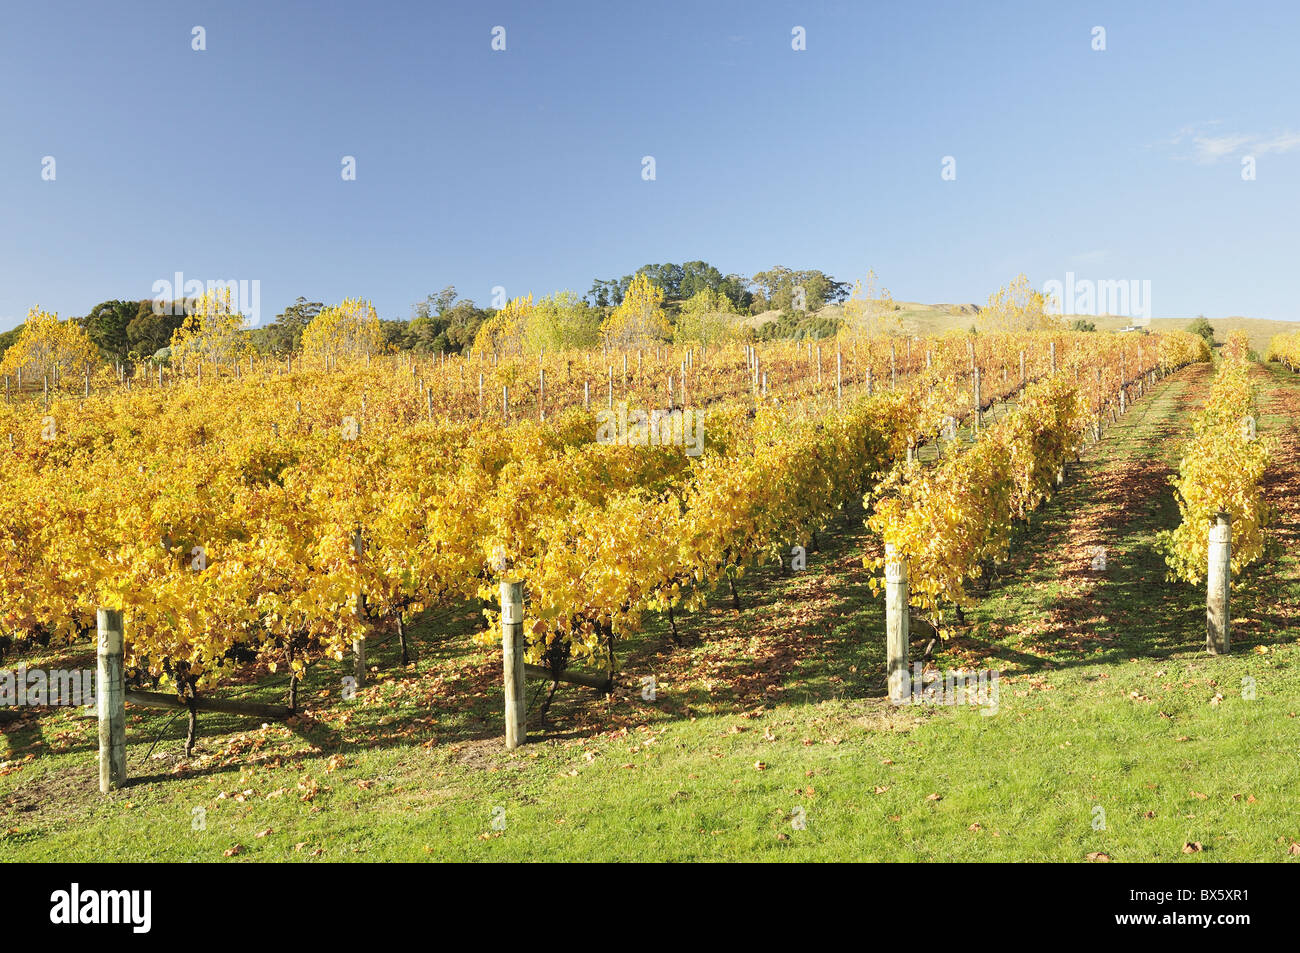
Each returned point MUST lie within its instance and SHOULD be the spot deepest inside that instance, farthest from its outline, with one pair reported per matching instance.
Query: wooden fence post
(512, 650)
(896, 623)
(1217, 585)
(110, 695)
(839, 378)
(359, 645)
(359, 660)
(1097, 423)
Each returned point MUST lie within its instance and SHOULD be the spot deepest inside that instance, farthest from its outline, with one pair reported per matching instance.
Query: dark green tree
(8, 339)
(779, 287)
(284, 334)
(106, 324)
(1203, 328)
(148, 332)
(678, 282)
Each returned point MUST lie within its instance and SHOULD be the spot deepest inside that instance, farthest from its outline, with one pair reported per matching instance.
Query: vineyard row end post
(512, 651)
(896, 623)
(110, 695)
(1218, 582)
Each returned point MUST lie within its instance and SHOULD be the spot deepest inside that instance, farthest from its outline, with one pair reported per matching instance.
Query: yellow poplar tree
(870, 310)
(47, 343)
(505, 331)
(1017, 307)
(346, 331)
(640, 319)
(211, 331)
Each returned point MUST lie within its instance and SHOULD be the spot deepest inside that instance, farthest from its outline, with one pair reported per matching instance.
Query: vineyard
(279, 514)
(300, 527)
(675, 433)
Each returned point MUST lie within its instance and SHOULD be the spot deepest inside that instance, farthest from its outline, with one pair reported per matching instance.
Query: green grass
(1105, 701)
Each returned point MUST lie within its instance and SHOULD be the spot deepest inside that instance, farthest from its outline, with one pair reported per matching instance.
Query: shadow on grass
(1071, 614)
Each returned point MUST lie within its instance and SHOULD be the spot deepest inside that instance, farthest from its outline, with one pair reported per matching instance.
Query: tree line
(128, 331)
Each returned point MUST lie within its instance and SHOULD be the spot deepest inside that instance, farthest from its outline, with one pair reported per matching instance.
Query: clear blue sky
(523, 168)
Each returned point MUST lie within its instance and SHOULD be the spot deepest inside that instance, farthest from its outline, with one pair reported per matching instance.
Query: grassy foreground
(768, 736)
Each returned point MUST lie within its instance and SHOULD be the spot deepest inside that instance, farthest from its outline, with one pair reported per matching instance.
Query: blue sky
(522, 168)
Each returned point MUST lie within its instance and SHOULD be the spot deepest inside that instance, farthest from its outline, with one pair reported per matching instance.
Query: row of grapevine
(1220, 471)
(945, 525)
(235, 518)
(1285, 348)
(593, 566)
(948, 524)
(486, 386)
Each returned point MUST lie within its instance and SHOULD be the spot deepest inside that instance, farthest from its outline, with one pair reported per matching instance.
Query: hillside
(924, 319)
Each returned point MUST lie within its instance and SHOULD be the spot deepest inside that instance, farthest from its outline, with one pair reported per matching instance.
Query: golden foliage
(640, 318)
(1181, 347)
(949, 520)
(347, 331)
(211, 331)
(1286, 349)
(506, 332)
(870, 311)
(1016, 308)
(47, 345)
(1221, 467)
